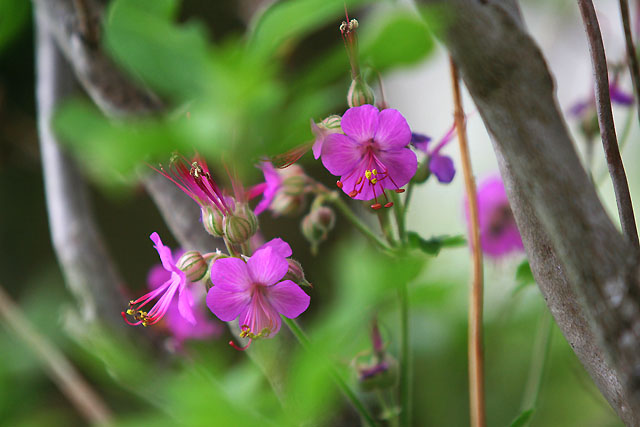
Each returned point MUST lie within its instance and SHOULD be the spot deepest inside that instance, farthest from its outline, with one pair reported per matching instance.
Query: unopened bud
(317, 224)
(296, 274)
(241, 225)
(359, 93)
(193, 265)
(333, 122)
(422, 173)
(213, 220)
(290, 197)
(212, 258)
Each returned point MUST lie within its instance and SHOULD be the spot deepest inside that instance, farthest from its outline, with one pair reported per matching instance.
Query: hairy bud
(241, 225)
(193, 265)
(213, 221)
(296, 274)
(359, 93)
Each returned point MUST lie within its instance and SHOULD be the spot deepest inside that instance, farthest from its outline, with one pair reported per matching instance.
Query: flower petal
(260, 315)
(288, 298)
(231, 274)
(442, 167)
(185, 302)
(227, 305)
(400, 167)
(393, 130)
(360, 123)
(279, 246)
(340, 153)
(164, 252)
(267, 266)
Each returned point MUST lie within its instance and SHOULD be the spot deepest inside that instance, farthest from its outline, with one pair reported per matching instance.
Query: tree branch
(85, 262)
(605, 120)
(556, 206)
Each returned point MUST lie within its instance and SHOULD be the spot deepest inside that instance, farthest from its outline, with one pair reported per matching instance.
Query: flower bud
(241, 225)
(333, 122)
(422, 173)
(289, 199)
(296, 274)
(359, 93)
(317, 224)
(212, 258)
(193, 265)
(212, 220)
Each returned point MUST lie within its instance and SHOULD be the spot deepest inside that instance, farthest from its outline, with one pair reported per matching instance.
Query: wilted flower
(372, 155)
(499, 233)
(439, 165)
(176, 283)
(254, 292)
(179, 328)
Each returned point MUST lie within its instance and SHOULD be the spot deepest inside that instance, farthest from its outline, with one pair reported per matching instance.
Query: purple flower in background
(179, 328)
(254, 292)
(499, 234)
(283, 190)
(440, 165)
(175, 283)
(269, 188)
(372, 155)
(616, 94)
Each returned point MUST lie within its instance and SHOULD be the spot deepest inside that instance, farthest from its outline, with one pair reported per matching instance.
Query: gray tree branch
(85, 262)
(567, 233)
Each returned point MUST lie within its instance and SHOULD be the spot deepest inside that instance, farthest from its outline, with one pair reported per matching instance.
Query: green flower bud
(333, 122)
(422, 173)
(296, 274)
(359, 93)
(213, 221)
(241, 225)
(290, 198)
(317, 224)
(193, 265)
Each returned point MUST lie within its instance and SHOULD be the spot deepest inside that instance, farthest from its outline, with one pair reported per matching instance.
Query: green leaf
(433, 245)
(398, 38)
(522, 419)
(524, 274)
(288, 20)
(14, 15)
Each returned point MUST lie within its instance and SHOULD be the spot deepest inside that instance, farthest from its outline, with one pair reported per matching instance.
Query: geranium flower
(179, 328)
(176, 283)
(499, 233)
(253, 291)
(372, 155)
(440, 165)
(283, 190)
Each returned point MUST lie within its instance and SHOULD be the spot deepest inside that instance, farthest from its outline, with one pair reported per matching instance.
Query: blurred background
(281, 75)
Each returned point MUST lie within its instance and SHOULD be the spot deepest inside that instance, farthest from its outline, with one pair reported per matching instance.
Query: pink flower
(179, 328)
(372, 155)
(253, 292)
(177, 282)
(283, 190)
(196, 181)
(269, 188)
(499, 234)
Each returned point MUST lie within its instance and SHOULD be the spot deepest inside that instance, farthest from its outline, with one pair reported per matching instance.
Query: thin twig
(605, 120)
(632, 59)
(476, 356)
(88, 403)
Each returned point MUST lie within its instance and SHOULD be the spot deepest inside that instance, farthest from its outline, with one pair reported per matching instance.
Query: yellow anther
(374, 180)
(367, 174)
(130, 312)
(375, 172)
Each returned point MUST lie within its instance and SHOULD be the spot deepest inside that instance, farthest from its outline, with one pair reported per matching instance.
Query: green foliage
(522, 419)
(14, 15)
(435, 244)
(524, 276)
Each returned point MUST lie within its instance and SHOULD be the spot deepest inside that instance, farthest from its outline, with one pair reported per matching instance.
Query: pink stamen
(234, 345)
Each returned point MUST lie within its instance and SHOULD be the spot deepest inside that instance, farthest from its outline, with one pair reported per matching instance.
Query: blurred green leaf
(524, 277)
(434, 245)
(291, 20)
(399, 37)
(14, 15)
(522, 419)
(171, 59)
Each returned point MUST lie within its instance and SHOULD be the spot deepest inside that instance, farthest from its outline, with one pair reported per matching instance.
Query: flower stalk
(476, 356)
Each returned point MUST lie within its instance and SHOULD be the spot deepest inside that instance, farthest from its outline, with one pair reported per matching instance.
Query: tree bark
(585, 268)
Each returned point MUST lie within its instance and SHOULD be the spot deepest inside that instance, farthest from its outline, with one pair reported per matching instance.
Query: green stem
(398, 212)
(405, 358)
(231, 249)
(359, 224)
(304, 341)
(385, 226)
(407, 199)
(540, 358)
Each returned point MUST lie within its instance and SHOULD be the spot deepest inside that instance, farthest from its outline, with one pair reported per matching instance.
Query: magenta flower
(195, 180)
(440, 165)
(372, 155)
(177, 282)
(253, 291)
(269, 188)
(179, 328)
(499, 234)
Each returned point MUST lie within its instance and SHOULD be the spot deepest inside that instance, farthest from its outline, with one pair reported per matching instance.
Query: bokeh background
(279, 80)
